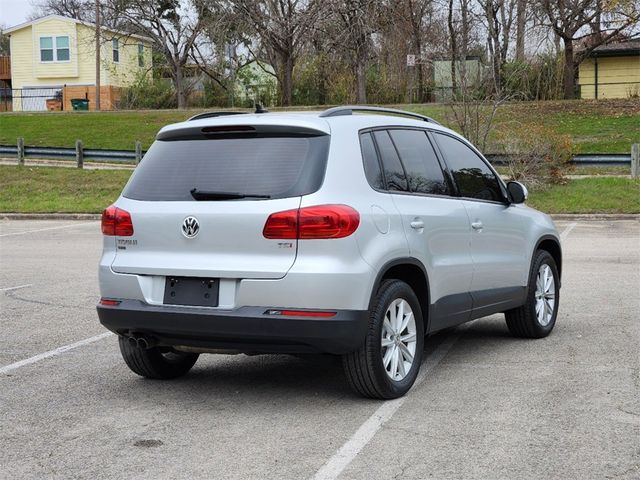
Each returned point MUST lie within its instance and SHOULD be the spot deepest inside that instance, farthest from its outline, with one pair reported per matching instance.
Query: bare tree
(568, 19)
(521, 19)
(174, 27)
(78, 9)
(356, 20)
(499, 16)
(416, 15)
(282, 27)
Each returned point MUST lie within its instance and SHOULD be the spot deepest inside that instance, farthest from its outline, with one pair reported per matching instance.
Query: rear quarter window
(275, 166)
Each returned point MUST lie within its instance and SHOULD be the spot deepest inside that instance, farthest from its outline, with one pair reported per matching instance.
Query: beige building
(55, 56)
(611, 71)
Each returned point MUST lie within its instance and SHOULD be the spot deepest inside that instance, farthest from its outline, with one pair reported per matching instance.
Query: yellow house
(55, 57)
(611, 71)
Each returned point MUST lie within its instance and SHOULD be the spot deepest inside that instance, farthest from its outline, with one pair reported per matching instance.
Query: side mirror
(518, 192)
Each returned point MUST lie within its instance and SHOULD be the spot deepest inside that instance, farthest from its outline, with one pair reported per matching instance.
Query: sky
(14, 12)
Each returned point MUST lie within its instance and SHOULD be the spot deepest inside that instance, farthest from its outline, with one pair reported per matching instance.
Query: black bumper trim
(246, 329)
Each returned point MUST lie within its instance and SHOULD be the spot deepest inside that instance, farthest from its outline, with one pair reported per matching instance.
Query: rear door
(435, 223)
(199, 205)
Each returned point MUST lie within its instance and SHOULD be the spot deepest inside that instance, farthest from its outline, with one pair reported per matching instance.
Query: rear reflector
(116, 221)
(108, 302)
(318, 222)
(301, 313)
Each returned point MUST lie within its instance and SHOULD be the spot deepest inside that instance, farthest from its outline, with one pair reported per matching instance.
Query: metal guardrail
(582, 159)
(125, 156)
(586, 159)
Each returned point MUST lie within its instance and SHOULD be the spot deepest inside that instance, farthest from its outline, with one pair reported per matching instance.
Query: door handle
(417, 224)
(477, 225)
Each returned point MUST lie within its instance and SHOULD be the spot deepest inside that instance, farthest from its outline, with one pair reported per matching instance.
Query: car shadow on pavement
(265, 377)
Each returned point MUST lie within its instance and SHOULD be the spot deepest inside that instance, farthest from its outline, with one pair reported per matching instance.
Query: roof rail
(214, 114)
(350, 109)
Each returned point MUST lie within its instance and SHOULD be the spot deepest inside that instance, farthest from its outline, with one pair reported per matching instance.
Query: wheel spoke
(394, 362)
(386, 327)
(399, 316)
(409, 337)
(388, 355)
(405, 321)
(408, 356)
(401, 369)
(547, 278)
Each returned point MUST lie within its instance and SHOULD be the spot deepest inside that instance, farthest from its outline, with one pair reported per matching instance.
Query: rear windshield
(273, 166)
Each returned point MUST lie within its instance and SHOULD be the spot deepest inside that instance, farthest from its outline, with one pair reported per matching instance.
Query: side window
(473, 177)
(371, 164)
(424, 173)
(393, 171)
(115, 47)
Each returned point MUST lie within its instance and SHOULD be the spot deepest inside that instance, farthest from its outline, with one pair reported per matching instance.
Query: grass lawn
(55, 189)
(603, 126)
(590, 195)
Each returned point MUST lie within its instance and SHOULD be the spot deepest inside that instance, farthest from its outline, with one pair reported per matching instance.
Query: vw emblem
(190, 227)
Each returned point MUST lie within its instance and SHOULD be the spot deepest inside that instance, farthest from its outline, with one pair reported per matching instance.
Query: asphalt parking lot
(488, 405)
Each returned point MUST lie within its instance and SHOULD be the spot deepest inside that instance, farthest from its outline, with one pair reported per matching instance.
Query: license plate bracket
(191, 291)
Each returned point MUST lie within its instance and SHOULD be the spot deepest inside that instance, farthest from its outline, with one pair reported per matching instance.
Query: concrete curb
(595, 216)
(50, 216)
(97, 216)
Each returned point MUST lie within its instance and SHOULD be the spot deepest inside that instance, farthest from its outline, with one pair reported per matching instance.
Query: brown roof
(625, 47)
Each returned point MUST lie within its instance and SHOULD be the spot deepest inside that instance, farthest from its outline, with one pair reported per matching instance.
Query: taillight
(109, 302)
(322, 221)
(282, 225)
(116, 221)
(302, 313)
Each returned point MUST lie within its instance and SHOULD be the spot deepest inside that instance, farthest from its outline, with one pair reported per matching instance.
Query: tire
(528, 321)
(364, 368)
(154, 363)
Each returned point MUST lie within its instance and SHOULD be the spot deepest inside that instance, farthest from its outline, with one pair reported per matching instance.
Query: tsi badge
(190, 227)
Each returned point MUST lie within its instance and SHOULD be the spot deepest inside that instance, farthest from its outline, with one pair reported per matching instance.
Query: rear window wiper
(207, 195)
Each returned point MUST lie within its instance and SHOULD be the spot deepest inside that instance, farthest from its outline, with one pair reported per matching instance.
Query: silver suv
(333, 232)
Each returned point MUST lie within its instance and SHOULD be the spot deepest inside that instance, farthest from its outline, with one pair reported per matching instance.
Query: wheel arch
(411, 271)
(551, 244)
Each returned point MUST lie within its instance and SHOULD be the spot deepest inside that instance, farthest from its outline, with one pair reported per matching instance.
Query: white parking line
(52, 353)
(9, 289)
(567, 230)
(48, 228)
(345, 455)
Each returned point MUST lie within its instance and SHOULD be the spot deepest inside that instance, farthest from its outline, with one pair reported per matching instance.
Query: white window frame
(141, 55)
(54, 45)
(115, 47)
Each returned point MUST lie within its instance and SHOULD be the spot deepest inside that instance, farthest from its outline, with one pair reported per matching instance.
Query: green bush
(149, 93)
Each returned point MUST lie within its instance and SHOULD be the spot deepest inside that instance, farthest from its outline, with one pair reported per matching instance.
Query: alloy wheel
(398, 339)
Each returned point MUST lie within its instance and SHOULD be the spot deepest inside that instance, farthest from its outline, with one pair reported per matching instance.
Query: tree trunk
(287, 81)
(322, 80)
(520, 27)
(569, 69)
(454, 50)
(419, 66)
(361, 81)
(180, 87)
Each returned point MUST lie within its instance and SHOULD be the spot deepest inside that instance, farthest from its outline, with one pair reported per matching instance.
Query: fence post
(635, 160)
(20, 150)
(79, 154)
(138, 151)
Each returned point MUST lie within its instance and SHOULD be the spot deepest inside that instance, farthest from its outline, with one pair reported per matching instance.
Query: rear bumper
(245, 329)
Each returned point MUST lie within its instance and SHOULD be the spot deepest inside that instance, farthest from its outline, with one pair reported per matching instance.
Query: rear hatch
(201, 196)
